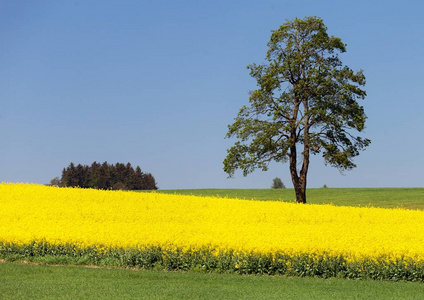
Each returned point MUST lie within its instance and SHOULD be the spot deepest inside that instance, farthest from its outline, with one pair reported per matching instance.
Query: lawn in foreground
(410, 198)
(20, 281)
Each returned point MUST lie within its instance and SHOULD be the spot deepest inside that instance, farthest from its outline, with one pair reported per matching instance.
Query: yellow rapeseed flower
(107, 219)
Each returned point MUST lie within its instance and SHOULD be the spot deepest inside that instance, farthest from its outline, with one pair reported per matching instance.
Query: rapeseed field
(210, 233)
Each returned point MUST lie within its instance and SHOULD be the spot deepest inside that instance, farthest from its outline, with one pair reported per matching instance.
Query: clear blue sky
(155, 83)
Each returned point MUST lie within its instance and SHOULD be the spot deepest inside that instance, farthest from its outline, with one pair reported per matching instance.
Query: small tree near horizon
(55, 182)
(305, 103)
(277, 183)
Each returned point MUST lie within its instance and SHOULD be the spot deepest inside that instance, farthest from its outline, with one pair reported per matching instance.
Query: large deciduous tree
(306, 103)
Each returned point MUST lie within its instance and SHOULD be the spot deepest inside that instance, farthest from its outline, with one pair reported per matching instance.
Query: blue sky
(155, 83)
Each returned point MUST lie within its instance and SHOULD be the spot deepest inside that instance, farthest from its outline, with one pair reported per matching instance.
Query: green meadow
(21, 281)
(409, 198)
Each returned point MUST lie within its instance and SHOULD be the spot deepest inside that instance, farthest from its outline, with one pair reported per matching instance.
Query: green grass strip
(409, 198)
(20, 281)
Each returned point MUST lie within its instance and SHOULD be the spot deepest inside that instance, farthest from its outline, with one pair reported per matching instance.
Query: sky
(156, 83)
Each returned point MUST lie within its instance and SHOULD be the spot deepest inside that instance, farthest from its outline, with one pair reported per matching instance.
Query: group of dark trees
(106, 177)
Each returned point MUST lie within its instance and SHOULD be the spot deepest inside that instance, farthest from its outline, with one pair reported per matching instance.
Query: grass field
(410, 198)
(20, 281)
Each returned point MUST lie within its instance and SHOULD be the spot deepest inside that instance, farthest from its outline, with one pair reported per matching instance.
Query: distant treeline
(105, 177)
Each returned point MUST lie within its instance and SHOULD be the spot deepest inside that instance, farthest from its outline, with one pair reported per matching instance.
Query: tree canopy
(306, 103)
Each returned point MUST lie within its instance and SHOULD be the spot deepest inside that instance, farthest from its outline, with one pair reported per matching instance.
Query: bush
(277, 184)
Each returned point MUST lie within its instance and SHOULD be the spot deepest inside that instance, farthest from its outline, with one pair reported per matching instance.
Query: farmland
(158, 231)
(209, 234)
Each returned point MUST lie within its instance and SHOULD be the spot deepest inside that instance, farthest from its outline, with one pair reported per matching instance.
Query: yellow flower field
(85, 217)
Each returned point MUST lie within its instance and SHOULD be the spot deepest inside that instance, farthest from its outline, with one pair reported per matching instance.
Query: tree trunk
(299, 183)
(300, 195)
(300, 190)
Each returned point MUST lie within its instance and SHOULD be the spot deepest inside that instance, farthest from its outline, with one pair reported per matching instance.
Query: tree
(130, 180)
(94, 179)
(69, 176)
(139, 179)
(55, 182)
(306, 103)
(277, 184)
(150, 183)
(104, 177)
(81, 175)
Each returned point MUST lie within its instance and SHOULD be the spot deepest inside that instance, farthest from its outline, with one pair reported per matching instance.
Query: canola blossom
(118, 219)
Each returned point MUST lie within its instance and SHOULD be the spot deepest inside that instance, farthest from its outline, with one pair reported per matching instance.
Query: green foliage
(105, 176)
(306, 101)
(302, 265)
(277, 183)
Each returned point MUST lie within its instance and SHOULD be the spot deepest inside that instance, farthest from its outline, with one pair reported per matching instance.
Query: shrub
(277, 184)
